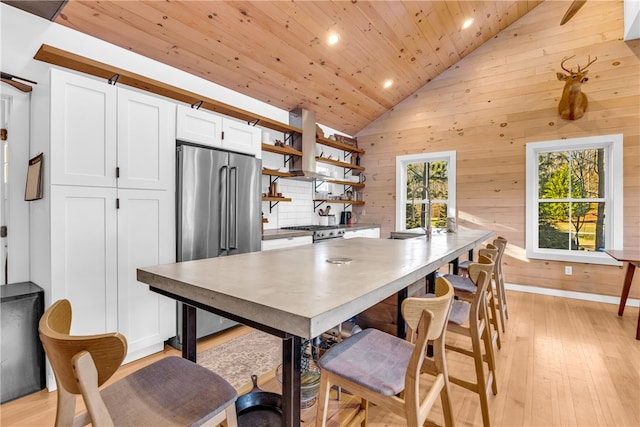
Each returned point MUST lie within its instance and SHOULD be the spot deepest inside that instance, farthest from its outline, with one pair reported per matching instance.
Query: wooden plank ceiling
(277, 51)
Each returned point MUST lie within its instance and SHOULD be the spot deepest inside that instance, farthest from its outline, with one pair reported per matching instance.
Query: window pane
(587, 226)
(553, 175)
(438, 180)
(587, 173)
(553, 225)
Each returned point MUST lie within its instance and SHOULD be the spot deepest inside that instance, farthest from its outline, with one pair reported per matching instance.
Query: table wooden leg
(628, 278)
(291, 381)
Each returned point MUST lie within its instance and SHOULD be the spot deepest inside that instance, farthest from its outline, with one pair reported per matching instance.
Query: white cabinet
(84, 255)
(212, 130)
(83, 131)
(289, 242)
(146, 237)
(145, 141)
(111, 208)
(100, 132)
(372, 233)
(198, 126)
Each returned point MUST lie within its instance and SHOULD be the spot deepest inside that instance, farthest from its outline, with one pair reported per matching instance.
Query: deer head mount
(573, 103)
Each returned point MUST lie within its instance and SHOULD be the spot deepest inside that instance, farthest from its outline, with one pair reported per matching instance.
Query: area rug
(255, 353)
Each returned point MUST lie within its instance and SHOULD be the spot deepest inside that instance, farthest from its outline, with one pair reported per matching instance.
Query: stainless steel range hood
(304, 167)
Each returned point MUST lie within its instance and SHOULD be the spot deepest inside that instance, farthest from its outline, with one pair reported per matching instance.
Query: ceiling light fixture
(333, 38)
(467, 23)
(388, 84)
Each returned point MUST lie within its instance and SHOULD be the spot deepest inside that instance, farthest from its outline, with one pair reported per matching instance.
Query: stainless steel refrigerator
(218, 214)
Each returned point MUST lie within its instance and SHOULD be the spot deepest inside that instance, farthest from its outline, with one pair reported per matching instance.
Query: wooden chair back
(439, 306)
(107, 350)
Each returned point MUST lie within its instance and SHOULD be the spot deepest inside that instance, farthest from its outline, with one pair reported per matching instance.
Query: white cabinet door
(146, 236)
(241, 138)
(83, 256)
(268, 245)
(83, 131)
(198, 126)
(145, 141)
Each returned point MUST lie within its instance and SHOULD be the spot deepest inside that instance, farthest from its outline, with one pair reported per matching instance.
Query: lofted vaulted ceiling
(277, 51)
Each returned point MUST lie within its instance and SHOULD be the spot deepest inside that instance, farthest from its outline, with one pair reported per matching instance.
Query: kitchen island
(302, 292)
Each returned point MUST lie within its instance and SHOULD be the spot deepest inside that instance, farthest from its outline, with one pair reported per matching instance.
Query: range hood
(304, 168)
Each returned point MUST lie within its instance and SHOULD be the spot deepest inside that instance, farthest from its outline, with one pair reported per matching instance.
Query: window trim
(615, 201)
(401, 182)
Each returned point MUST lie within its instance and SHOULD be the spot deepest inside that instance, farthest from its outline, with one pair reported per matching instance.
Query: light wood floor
(563, 362)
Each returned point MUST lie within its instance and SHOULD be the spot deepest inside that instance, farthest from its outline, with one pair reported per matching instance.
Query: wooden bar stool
(465, 289)
(470, 320)
(170, 392)
(384, 369)
(498, 279)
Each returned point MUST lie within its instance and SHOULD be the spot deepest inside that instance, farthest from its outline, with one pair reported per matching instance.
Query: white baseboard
(631, 302)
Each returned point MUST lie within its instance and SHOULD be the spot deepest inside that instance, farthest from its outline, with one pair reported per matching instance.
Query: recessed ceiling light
(467, 23)
(388, 83)
(333, 38)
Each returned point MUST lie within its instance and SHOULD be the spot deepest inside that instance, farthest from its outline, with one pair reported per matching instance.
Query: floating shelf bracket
(253, 122)
(114, 79)
(197, 105)
(272, 205)
(317, 205)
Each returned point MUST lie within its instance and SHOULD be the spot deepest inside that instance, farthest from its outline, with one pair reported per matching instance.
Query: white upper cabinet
(83, 131)
(241, 137)
(99, 131)
(145, 141)
(206, 128)
(198, 127)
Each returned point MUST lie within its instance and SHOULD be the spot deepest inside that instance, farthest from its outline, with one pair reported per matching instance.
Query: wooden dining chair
(465, 289)
(385, 370)
(470, 320)
(171, 391)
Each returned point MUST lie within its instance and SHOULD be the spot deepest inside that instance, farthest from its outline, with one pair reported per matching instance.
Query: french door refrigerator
(218, 214)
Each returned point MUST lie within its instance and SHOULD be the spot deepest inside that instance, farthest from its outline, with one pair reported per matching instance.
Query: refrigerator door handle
(233, 208)
(224, 211)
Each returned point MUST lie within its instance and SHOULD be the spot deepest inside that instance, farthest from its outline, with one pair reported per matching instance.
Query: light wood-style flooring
(563, 362)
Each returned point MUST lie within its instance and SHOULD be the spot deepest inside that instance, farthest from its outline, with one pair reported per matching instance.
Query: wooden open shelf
(343, 202)
(338, 163)
(358, 185)
(276, 173)
(339, 145)
(276, 199)
(75, 62)
(281, 150)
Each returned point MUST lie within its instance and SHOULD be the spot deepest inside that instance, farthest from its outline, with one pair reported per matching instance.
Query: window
(414, 173)
(574, 199)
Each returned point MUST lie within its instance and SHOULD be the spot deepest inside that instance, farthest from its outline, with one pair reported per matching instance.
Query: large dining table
(299, 293)
(632, 258)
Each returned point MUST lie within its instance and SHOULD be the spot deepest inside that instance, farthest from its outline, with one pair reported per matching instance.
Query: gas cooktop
(320, 232)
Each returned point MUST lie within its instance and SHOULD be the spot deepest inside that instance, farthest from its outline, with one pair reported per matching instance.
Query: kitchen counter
(279, 233)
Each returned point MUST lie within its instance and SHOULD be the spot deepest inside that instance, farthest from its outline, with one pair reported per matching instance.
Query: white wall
(14, 212)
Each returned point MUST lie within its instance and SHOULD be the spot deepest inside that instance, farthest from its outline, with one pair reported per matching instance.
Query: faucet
(427, 229)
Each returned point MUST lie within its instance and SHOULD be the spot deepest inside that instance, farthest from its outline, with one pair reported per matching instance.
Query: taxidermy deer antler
(573, 9)
(573, 103)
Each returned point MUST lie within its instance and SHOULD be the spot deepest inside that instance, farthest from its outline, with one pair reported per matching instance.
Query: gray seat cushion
(459, 312)
(372, 359)
(461, 283)
(172, 391)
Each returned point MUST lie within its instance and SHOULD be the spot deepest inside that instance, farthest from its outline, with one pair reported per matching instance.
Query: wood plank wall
(501, 97)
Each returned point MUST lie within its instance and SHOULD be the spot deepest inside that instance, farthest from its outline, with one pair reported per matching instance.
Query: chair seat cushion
(171, 391)
(461, 283)
(464, 265)
(372, 359)
(459, 312)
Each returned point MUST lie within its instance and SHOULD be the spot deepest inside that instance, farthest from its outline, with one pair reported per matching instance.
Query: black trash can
(23, 363)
